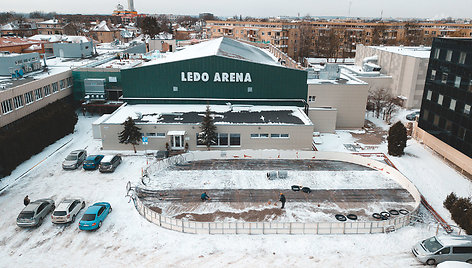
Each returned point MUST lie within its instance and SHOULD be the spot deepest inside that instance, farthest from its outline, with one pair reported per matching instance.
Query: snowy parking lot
(127, 239)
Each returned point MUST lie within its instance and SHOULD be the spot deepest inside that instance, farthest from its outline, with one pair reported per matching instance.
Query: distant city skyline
(434, 9)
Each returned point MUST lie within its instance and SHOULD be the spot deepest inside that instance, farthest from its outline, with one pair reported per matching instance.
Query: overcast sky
(257, 8)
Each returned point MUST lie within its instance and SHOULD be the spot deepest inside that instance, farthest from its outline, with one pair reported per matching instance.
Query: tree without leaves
(397, 139)
(208, 128)
(131, 133)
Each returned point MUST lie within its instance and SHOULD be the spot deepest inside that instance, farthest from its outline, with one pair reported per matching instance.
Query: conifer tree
(397, 139)
(130, 133)
(208, 128)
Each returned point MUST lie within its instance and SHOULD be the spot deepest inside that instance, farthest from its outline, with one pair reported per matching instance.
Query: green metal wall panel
(267, 82)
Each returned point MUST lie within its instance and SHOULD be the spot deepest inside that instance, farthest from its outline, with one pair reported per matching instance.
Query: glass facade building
(447, 98)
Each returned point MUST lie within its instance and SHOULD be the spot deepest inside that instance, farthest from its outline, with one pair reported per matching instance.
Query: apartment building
(53, 26)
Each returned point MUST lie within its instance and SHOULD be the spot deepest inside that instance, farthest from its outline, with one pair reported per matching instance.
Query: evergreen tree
(208, 128)
(130, 133)
(396, 139)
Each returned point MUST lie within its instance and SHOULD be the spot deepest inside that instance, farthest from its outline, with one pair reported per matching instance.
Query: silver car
(439, 249)
(67, 210)
(35, 212)
(74, 159)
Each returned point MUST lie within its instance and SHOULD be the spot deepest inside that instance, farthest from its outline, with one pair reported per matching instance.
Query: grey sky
(257, 8)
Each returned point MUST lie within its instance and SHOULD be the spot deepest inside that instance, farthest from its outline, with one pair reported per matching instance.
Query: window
(449, 55)
(461, 250)
(425, 115)
(311, 98)
(444, 251)
(470, 85)
(444, 78)
(69, 81)
(55, 88)
(436, 53)
(258, 135)
(279, 136)
(62, 84)
(6, 106)
(47, 90)
(452, 105)
(29, 97)
(38, 93)
(160, 135)
(150, 134)
(433, 75)
(467, 109)
(457, 83)
(249, 89)
(18, 101)
(448, 125)
(461, 133)
(234, 139)
(222, 139)
(436, 120)
(429, 94)
(462, 57)
(440, 99)
(175, 89)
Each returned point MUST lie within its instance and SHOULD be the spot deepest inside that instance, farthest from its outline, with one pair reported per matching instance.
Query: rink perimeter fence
(258, 228)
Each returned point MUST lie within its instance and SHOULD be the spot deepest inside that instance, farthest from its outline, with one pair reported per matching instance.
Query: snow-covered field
(127, 239)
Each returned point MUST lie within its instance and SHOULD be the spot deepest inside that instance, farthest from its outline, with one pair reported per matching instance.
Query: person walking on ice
(205, 197)
(26, 201)
(282, 199)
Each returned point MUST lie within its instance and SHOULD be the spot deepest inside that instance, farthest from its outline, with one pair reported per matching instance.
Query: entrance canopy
(176, 133)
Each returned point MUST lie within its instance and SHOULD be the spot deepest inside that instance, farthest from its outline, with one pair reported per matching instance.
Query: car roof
(64, 205)
(91, 157)
(32, 206)
(455, 240)
(93, 209)
(107, 158)
(76, 151)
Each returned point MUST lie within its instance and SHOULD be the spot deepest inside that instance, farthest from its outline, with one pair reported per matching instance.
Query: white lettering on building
(217, 77)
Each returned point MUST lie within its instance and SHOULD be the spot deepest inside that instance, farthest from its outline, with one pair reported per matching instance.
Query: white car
(67, 210)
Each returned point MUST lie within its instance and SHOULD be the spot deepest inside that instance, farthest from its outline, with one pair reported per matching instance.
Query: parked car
(438, 249)
(109, 163)
(74, 159)
(67, 210)
(94, 216)
(92, 161)
(35, 212)
(412, 116)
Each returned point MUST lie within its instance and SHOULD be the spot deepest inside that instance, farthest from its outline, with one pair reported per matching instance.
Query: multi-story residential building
(53, 26)
(18, 28)
(445, 122)
(105, 32)
(319, 38)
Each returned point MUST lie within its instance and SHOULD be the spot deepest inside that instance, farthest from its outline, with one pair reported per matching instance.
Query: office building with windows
(445, 122)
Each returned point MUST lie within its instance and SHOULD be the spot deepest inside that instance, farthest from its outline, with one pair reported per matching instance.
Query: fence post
(263, 228)
(236, 227)
(209, 232)
(290, 228)
(370, 231)
(182, 226)
(160, 223)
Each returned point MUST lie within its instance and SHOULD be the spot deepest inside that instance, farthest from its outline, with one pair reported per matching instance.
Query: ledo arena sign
(217, 77)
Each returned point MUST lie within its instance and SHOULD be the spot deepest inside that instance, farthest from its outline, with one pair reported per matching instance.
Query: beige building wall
(408, 73)
(300, 136)
(37, 104)
(376, 83)
(459, 159)
(348, 99)
(324, 119)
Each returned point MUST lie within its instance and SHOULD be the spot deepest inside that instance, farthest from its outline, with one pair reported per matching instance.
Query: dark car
(35, 212)
(74, 159)
(412, 116)
(92, 161)
(109, 163)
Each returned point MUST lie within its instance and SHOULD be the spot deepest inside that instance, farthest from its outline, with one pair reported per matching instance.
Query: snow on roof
(16, 41)
(224, 47)
(418, 52)
(224, 114)
(52, 21)
(101, 27)
(8, 26)
(59, 38)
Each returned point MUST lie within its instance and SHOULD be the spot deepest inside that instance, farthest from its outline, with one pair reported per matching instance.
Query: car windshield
(88, 217)
(105, 164)
(71, 157)
(432, 244)
(89, 162)
(59, 213)
(26, 215)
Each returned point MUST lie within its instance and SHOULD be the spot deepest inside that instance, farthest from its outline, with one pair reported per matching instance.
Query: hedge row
(32, 134)
(461, 211)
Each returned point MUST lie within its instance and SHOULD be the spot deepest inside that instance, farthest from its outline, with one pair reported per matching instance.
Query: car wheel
(52, 208)
(469, 261)
(40, 221)
(99, 225)
(83, 204)
(73, 218)
(110, 210)
(430, 262)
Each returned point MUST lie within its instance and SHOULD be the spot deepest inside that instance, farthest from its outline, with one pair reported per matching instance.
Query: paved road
(264, 195)
(271, 164)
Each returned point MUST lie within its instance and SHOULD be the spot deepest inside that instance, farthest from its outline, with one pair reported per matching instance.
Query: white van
(438, 249)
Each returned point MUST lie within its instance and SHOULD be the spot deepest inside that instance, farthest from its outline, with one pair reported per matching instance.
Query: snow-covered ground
(127, 239)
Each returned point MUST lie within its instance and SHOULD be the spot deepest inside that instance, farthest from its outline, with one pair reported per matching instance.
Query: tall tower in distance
(131, 5)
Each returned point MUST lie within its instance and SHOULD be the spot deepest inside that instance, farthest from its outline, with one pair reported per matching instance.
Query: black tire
(376, 216)
(40, 221)
(403, 211)
(352, 217)
(469, 261)
(385, 214)
(99, 225)
(110, 210)
(384, 218)
(295, 188)
(83, 204)
(431, 262)
(73, 218)
(340, 217)
(394, 212)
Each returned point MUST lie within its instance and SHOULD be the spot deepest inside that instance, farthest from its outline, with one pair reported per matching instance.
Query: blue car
(92, 161)
(94, 216)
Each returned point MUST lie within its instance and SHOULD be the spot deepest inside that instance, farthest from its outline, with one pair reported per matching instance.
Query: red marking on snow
(247, 156)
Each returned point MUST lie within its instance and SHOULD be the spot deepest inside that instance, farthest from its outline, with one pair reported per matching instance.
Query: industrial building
(445, 122)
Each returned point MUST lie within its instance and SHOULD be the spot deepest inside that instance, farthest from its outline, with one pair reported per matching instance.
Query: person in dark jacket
(204, 196)
(26, 201)
(282, 199)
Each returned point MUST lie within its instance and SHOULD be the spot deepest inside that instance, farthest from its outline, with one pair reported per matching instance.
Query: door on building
(176, 139)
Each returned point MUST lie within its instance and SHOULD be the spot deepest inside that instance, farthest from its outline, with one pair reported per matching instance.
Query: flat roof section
(418, 52)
